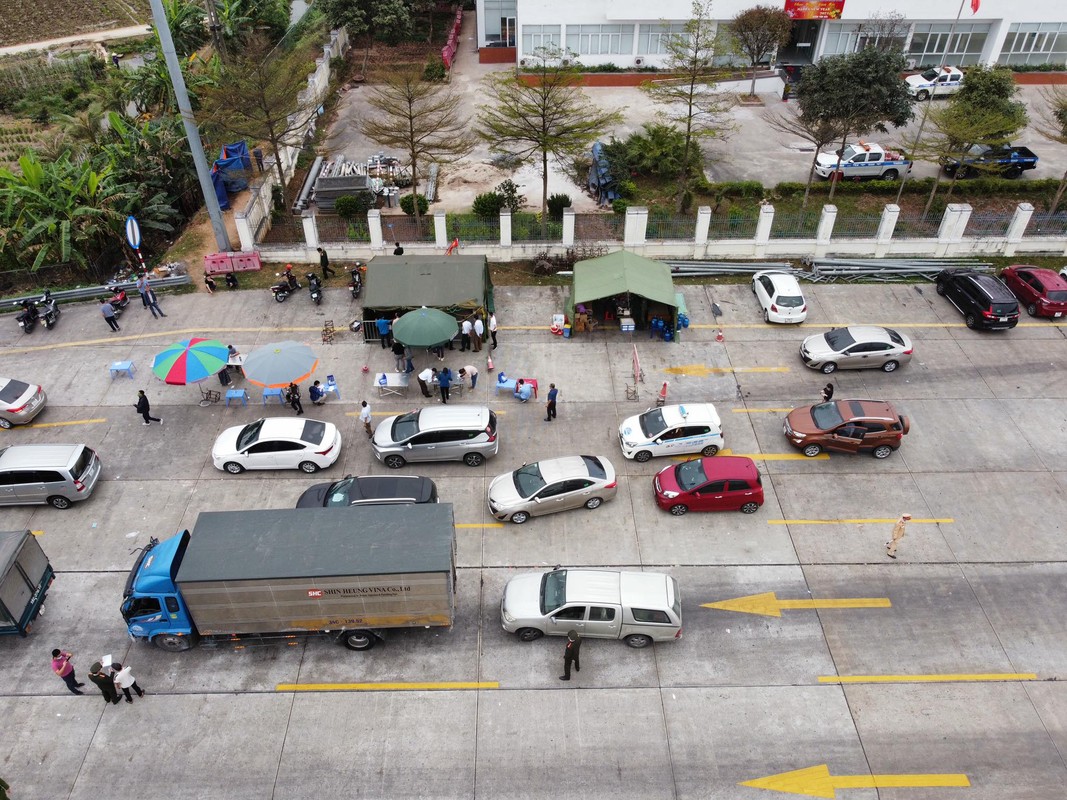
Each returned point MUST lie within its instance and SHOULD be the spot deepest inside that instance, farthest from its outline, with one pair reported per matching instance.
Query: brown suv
(847, 426)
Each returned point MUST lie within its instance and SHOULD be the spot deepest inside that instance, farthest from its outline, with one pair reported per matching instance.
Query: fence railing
(857, 226)
(988, 224)
(472, 228)
(335, 229)
(526, 227)
(733, 226)
(599, 227)
(801, 225)
(672, 226)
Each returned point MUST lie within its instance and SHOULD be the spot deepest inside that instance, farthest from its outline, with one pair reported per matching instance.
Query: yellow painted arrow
(818, 782)
(702, 370)
(768, 604)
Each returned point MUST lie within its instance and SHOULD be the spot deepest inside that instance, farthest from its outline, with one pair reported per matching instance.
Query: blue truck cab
(151, 603)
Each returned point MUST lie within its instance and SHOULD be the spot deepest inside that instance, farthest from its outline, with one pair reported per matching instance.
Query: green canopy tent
(622, 284)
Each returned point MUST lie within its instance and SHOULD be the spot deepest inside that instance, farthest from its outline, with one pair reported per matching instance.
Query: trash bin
(224, 376)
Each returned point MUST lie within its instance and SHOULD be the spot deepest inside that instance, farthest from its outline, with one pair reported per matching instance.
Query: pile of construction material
(886, 270)
(381, 176)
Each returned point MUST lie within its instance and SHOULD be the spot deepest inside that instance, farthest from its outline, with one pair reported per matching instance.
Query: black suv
(984, 300)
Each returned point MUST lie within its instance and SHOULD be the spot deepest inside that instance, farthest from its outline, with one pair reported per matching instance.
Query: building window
(1035, 43)
(652, 40)
(496, 14)
(600, 40)
(928, 42)
(534, 36)
(851, 37)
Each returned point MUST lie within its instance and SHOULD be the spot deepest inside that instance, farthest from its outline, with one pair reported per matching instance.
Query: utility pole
(192, 133)
(215, 28)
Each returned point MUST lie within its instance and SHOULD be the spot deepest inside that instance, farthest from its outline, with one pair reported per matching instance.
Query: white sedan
(277, 443)
(780, 297)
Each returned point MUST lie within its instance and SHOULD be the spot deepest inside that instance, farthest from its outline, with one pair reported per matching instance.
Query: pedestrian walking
(153, 303)
(897, 535)
(571, 653)
(108, 312)
(62, 667)
(444, 381)
(317, 395)
(385, 334)
(425, 379)
(492, 329)
(209, 282)
(124, 681)
(465, 335)
(399, 360)
(292, 394)
(104, 683)
(142, 288)
(364, 417)
(471, 372)
(550, 406)
(478, 334)
(398, 250)
(143, 408)
(827, 392)
(324, 262)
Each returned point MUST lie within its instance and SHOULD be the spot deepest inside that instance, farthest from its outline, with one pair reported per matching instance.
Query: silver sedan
(856, 347)
(556, 484)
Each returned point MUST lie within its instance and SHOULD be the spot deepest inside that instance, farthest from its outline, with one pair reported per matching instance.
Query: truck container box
(25, 576)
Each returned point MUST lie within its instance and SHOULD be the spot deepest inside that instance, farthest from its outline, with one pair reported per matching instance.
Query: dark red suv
(1042, 292)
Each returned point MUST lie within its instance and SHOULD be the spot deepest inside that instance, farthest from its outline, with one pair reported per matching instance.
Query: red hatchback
(719, 483)
(1042, 292)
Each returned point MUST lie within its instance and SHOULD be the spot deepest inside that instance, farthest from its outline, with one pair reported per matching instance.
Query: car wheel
(58, 502)
(941, 288)
(812, 450)
(766, 316)
(710, 450)
(172, 643)
(593, 502)
(750, 508)
(309, 467)
(1031, 310)
(971, 320)
(473, 459)
(679, 510)
(890, 175)
(1013, 172)
(882, 451)
(233, 468)
(529, 634)
(394, 461)
(638, 640)
(921, 95)
(5, 423)
(358, 640)
(641, 456)
(890, 366)
(829, 367)
(519, 517)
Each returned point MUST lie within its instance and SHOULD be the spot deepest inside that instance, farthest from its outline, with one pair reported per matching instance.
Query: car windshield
(789, 300)
(895, 337)
(337, 494)
(826, 416)
(553, 590)
(849, 151)
(839, 339)
(314, 431)
(931, 74)
(405, 426)
(528, 479)
(977, 150)
(1057, 297)
(249, 434)
(596, 469)
(690, 475)
(12, 391)
(652, 423)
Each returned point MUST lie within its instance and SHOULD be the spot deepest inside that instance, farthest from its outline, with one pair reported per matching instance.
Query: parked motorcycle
(356, 285)
(49, 309)
(118, 300)
(27, 318)
(286, 286)
(314, 287)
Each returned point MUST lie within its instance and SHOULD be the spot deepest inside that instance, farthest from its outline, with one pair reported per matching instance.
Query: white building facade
(623, 33)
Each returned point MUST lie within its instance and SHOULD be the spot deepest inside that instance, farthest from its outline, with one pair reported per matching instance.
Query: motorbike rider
(290, 278)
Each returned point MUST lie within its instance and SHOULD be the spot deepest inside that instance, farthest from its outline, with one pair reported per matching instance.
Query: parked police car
(935, 83)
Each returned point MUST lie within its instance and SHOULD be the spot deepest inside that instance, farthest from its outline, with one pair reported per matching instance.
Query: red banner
(814, 9)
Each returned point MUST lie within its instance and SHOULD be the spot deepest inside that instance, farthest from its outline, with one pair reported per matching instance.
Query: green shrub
(337, 65)
(509, 193)
(744, 189)
(790, 188)
(655, 150)
(349, 207)
(556, 204)
(434, 71)
(619, 207)
(407, 205)
(487, 204)
(627, 189)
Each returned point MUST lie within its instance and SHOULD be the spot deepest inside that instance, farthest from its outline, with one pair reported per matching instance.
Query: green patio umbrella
(425, 327)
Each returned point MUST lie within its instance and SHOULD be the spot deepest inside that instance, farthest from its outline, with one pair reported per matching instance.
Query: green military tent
(622, 285)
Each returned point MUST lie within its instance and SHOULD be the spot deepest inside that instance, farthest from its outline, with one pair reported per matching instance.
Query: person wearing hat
(104, 682)
(897, 535)
(570, 654)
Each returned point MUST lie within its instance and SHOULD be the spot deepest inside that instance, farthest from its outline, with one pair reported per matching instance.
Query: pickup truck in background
(863, 160)
(995, 160)
(935, 83)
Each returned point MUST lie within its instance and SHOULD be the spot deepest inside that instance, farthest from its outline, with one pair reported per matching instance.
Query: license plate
(1058, 314)
(1002, 319)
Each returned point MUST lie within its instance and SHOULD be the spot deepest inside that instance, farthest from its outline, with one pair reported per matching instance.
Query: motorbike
(285, 287)
(118, 300)
(49, 310)
(27, 318)
(356, 285)
(314, 287)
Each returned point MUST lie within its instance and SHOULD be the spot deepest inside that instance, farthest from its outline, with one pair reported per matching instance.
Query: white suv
(672, 431)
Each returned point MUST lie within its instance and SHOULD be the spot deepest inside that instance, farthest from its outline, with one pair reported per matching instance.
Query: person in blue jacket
(444, 381)
(523, 391)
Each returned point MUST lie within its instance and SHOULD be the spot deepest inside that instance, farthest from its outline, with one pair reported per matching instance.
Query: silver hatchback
(856, 347)
(555, 484)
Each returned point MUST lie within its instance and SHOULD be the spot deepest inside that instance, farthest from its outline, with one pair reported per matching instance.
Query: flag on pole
(975, 4)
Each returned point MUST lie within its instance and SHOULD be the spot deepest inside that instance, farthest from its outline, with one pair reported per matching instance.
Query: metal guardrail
(91, 292)
(886, 270)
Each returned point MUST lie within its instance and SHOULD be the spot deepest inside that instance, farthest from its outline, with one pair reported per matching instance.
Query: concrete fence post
(505, 227)
(311, 229)
(950, 232)
(374, 228)
(700, 238)
(825, 231)
(636, 227)
(440, 230)
(886, 226)
(568, 227)
(1017, 227)
(763, 230)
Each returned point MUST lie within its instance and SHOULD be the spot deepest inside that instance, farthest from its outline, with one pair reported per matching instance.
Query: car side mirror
(409, 445)
(537, 499)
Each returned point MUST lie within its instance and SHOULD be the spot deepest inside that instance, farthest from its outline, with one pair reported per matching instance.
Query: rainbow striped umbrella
(190, 361)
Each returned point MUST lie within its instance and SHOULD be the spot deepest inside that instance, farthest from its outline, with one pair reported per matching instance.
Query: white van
(672, 431)
(637, 607)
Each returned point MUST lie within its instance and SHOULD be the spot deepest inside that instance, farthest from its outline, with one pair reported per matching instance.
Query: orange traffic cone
(489, 363)
(366, 369)
(662, 395)
(718, 335)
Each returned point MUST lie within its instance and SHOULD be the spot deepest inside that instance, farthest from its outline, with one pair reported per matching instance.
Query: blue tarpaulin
(237, 150)
(234, 173)
(220, 188)
(601, 181)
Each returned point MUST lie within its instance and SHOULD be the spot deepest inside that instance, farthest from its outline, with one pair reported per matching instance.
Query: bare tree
(540, 114)
(821, 132)
(692, 100)
(885, 31)
(1052, 124)
(423, 119)
(758, 32)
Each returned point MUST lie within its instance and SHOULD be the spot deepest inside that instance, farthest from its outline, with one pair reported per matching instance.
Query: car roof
(869, 333)
(287, 427)
(39, 456)
(592, 586)
(558, 469)
(690, 412)
(1050, 279)
(435, 418)
(726, 467)
(377, 487)
(783, 281)
(853, 409)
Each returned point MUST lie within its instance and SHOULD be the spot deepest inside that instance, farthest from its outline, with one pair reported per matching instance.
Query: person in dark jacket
(292, 394)
(104, 682)
(324, 262)
(828, 393)
(570, 655)
(444, 381)
(143, 408)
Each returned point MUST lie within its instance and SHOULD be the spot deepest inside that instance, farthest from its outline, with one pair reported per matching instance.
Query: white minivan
(637, 607)
(672, 431)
